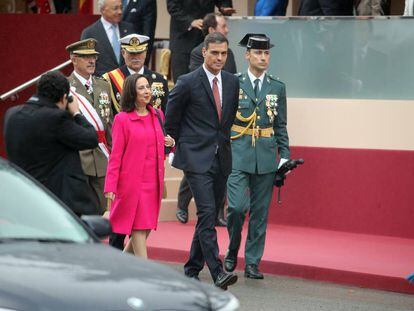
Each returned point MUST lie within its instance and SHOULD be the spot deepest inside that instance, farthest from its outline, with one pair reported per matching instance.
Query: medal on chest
(104, 107)
(271, 106)
(157, 89)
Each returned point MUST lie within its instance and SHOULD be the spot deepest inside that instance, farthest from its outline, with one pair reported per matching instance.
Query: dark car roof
(52, 276)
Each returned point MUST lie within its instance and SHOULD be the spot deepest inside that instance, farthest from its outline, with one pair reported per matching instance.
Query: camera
(70, 98)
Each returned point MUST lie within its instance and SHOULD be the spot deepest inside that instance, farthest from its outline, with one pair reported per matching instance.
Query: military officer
(259, 140)
(95, 104)
(134, 50)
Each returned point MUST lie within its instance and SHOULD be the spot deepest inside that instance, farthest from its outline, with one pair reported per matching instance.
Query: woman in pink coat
(135, 173)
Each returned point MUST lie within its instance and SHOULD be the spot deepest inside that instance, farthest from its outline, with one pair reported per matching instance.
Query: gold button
(258, 117)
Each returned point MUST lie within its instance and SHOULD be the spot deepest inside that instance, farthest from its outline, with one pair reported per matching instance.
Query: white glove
(281, 162)
(170, 158)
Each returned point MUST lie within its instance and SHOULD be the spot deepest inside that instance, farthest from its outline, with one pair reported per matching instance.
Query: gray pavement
(279, 293)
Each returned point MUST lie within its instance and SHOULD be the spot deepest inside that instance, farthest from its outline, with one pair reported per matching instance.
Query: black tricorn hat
(257, 41)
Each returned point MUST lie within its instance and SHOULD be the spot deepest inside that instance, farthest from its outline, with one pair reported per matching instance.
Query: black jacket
(193, 122)
(45, 141)
(107, 60)
(143, 15)
(183, 12)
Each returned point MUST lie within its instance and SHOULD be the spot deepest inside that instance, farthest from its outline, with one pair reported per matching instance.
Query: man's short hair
(53, 85)
(214, 37)
(210, 20)
(101, 4)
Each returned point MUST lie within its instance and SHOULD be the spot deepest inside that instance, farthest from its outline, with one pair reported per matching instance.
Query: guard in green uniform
(259, 140)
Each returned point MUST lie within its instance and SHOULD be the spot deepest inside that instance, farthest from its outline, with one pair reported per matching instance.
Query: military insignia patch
(134, 42)
(104, 108)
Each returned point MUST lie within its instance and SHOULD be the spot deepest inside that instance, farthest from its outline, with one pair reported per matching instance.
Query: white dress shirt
(109, 30)
(210, 78)
(83, 80)
(141, 71)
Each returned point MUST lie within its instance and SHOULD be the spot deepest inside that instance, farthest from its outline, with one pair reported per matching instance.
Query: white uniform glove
(281, 162)
(170, 158)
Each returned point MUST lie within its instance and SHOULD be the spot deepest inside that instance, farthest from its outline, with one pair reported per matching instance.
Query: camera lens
(70, 98)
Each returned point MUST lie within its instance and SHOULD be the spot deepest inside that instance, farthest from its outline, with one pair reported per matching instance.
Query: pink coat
(126, 165)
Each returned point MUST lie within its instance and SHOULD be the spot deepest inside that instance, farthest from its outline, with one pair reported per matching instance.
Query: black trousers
(179, 64)
(185, 195)
(208, 190)
(326, 8)
(117, 240)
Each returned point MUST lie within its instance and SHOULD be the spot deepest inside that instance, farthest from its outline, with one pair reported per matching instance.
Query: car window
(29, 212)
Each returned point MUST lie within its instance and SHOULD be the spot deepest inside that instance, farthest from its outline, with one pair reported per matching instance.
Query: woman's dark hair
(129, 93)
(53, 85)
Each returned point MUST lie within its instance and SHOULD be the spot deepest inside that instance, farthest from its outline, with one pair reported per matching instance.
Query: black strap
(160, 120)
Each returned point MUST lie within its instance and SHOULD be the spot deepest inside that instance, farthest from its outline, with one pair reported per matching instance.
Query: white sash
(93, 118)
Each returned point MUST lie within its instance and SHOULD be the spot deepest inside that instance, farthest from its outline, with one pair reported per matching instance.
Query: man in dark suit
(44, 137)
(326, 8)
(107, 31)
(143, 15)
(185, 28)
(200, 111)
(212, 22)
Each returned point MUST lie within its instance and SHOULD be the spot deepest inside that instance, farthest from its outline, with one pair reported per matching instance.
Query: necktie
(88, 87)
(256, 88)
(216, 95)
(115, 43)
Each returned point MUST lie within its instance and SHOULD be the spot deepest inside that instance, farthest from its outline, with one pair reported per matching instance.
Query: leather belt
(257, 132)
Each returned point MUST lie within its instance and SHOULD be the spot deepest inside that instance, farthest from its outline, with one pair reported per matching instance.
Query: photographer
(44, 137)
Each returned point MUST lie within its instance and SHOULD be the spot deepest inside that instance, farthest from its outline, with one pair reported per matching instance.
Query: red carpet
(371, 261)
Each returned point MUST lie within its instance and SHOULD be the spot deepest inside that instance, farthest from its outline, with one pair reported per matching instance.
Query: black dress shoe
(182, 216)
(252, 272)
(220, 222)
(225, 279)
(230, 261)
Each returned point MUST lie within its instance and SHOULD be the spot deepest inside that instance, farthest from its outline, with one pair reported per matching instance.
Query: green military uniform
(259, 140)
(94, 161)
(255, 161)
